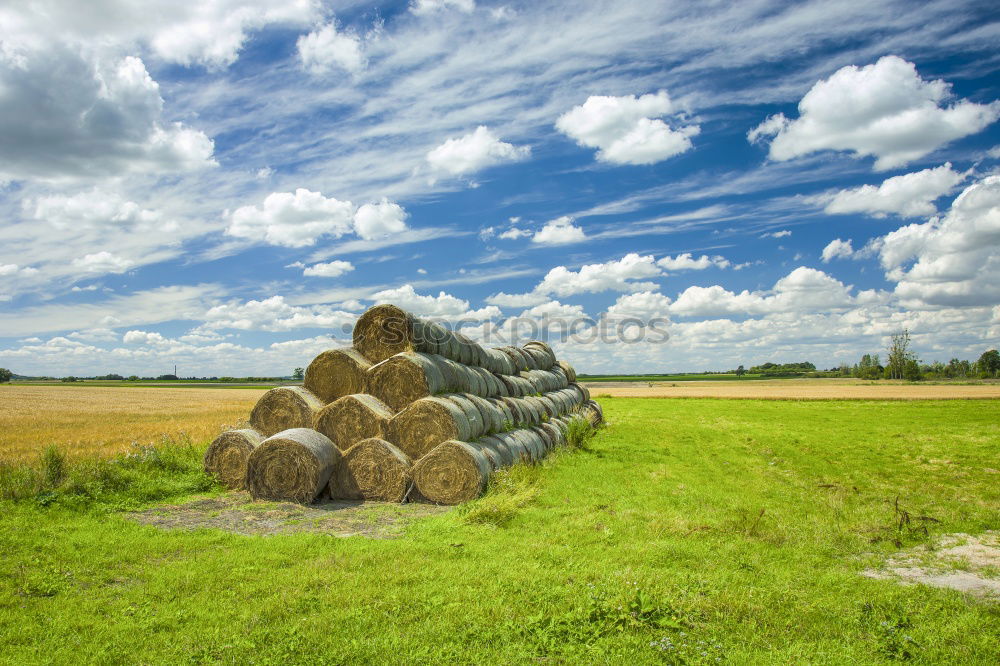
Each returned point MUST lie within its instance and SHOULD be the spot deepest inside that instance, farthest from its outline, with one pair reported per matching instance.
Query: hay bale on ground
(541, 353)
(594, 412)
(372, 469)
(336, 373)
(283, 408)
(294, 465)
(568, 370)
(405, 377)
(427, 422)
(454, 472)
(226, 457)
(348, 420)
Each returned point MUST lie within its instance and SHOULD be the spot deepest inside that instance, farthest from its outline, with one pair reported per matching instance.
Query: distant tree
(5, 375)
(911, 371)
(165, 377)
(71, 378)
(869, 367)
(740, 371)
(111, 377)
(989, 363)
(899, 354)
(299, 373)
(133, 378)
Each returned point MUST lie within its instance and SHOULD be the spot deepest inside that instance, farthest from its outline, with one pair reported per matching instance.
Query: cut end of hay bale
(383, 331)
(405, 377)
(428, 422)
(452, 473)
(226, 457)
(336, 373)
(350, 419)
(372, 469)
(294, 465)
(283, 408)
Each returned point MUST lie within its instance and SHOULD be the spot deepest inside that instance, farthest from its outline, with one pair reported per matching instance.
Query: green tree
(899, 354)
(740, 371)
(5, 375)
(989, 363)
(911, 371)
(299, 373)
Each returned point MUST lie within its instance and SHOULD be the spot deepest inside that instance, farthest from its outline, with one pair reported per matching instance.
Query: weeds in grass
(890, 632)
(579, 432)
(510, 490)
(905, 527)
(142, 474)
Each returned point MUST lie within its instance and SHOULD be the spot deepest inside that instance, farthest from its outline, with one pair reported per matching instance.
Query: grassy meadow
(687, 531)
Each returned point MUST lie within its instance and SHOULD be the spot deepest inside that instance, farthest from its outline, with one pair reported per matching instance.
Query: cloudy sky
(227, 184)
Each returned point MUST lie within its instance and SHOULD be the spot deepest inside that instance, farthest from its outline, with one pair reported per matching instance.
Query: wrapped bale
(454, 472)
(348, 420)
(594, 413)
(544, 357)
(568, 371)
(372, 469)
(427, 422)
(226, 457)
(405, 377)
(294, 465)
(283, 408)
(336, 373)
(386, 330)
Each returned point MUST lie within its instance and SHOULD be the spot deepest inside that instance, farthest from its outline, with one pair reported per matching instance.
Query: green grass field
(672, 378)
(694, 531)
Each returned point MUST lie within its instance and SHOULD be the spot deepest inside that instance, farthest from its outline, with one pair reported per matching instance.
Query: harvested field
(796, 389)
(104, 421)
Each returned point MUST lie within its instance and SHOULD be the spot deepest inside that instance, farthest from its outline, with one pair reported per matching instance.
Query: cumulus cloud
(378, 220)
(784, 233)
(594, 278)
(627, 130)
(423, 7)
(517, 300)
(642, 305)
(106, 119)
(514, 233)
(143, 338)
(953, 260)
(293, 220)
(474, 152)
(909, 195)
(272, 314)
(103, 262)
(95, 209)
(884, 110)
(329, 269)
(9, 270)
(686, 262)
(837, 249)
(443, 305)
(559, 231)
(327, 48)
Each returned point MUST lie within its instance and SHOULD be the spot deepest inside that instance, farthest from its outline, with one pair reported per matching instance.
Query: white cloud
(784, 233)
(10, 270)
(143, 338)
(422, 7)
(517, 300)
(103, 262)
(685, 262)
(642, 305)
(105, 120)
(514, 233)
(327, 48)
(909, 195)
(293, 220)
(443, 305)
(473, 152)
(884, 110)
(272, 314)
(595, 278)
(559, 231)
(329, 269)
(95, 209)
(627, 130)
(837, 249)
(955, 258)
(554, 310)
(378, 220)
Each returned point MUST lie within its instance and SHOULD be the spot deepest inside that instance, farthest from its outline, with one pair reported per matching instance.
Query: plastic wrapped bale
(294, 465)
(541, 352)
(350, 419)
(226, 457)
(283, 408)
(568, 370)
(372, 469)
(427, 422)
(336, 373)
(405, 377)
(594, 412)
(454, 472)
(386, 330)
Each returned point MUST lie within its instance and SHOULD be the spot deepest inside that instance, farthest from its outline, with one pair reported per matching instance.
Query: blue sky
(228, 185)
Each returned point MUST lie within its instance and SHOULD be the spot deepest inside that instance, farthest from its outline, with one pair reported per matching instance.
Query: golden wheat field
(105, 420)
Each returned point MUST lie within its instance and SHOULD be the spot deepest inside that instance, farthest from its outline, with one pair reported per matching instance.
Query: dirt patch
(956, 561)
(795, 389)
(238, 512)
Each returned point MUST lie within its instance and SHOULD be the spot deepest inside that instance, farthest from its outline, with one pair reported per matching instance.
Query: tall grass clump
(144, 473)
(510, 489)
(579, 432)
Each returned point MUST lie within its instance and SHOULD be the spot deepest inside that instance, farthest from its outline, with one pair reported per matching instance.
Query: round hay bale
(294, 465)
(492, 417)
(500, 447)
(451, 372)
(581, 392)
(506, 415)
(336, 373)
(545, 436)
(452, 473)
(568, 370)
(226, 457)
(372, 469)
(594, 412)
(384, 331)
(541, 359)
(466, 353)
(502, 390)
(283, 408)
(550, 406)
(491, 453)
(518, 451)
(555, 434)
(348, 420)
(545, 357)
(436, 339)
(473, 414)
(405, 377)
(512, 388)
(427, 422)
(531, 443)
(538, 410)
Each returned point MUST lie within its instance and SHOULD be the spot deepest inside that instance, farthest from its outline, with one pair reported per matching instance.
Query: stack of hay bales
(411, 410)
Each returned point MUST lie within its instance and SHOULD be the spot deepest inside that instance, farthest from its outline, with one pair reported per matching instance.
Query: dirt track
(796, 389)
